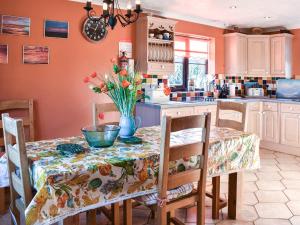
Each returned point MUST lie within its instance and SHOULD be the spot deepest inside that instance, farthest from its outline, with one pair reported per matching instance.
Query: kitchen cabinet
(254, 122)
(258, 55)
(204, 109)
(236, 54)
(178, 112)
(290, 129)
(154, 55)
(270, 122)
(281, 55)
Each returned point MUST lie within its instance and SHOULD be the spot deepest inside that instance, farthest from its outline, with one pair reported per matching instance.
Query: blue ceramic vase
(128, 126)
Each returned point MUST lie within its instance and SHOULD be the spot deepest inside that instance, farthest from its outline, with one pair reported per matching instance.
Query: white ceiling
(248, 13)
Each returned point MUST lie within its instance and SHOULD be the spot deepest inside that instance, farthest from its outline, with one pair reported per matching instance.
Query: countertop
(174, 104)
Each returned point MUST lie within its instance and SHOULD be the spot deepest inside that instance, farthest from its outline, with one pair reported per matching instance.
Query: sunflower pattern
(67, 185)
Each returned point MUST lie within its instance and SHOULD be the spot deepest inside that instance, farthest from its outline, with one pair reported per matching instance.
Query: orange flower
(123, 72)
(167, 91)
(93, 75)
(139, 92)
(86, 80)
(125, 83)
(104, 89)
(138, 82)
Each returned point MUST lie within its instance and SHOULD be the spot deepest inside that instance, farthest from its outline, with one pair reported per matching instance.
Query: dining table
(66, 185)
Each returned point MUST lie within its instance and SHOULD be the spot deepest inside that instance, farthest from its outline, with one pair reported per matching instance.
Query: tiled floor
(271, 197)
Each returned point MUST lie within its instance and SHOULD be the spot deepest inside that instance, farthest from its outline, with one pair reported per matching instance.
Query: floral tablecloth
(97, 177)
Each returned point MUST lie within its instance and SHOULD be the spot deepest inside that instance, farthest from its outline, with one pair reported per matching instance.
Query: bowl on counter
(101, 136)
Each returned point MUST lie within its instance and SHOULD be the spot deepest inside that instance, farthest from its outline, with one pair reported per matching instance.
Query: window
(191, 62)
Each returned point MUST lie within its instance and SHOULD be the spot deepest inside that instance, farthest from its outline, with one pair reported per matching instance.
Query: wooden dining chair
(20, 187)
(179, 182)
(107, 109)
(25, 107)
(217, 202)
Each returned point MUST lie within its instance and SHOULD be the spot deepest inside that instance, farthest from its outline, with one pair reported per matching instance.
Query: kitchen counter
(174, 104)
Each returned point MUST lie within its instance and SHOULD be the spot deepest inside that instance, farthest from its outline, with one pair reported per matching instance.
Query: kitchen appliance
(232, 90)
(288, 88)
(255, 92)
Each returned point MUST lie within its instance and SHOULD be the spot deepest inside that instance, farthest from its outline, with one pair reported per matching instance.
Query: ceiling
(223, 13)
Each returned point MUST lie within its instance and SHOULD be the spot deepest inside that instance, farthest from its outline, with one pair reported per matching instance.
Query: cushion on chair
(173, 194)
(4, 179)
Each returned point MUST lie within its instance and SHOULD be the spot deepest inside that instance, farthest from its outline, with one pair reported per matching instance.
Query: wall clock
(93, 30)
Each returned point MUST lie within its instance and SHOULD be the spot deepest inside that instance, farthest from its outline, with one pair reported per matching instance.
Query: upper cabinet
(155, 48)
(236, 54)
(281, 55)
(258, 55)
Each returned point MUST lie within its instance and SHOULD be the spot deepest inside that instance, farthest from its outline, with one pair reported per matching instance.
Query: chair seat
(151, 199)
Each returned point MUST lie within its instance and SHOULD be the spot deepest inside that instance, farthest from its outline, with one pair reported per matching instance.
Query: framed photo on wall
(35, 54)
(15, 25)
(3, 54)
(57, 29)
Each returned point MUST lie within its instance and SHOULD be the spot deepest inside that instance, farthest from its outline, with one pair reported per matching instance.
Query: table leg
(216, 197)
(2, 201)
(127, 212)
(235, 189)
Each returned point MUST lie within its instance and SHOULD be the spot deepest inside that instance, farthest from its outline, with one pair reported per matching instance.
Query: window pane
(198, 45)
(198, 72)
(180, 45)
(180, 53)
(198, 55)
(176, 79)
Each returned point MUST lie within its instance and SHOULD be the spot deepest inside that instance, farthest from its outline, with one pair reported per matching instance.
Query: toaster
(255, 92)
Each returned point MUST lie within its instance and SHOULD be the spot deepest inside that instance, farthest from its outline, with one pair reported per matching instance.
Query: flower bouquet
(125, 90)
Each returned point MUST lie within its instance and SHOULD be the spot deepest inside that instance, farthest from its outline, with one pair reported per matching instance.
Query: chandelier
(112, 13)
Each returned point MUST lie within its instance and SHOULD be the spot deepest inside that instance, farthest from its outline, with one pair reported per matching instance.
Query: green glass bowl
(101, 136)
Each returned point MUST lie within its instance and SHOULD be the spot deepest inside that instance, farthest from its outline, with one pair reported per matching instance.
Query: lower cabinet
(254, 122)
(290, 129)
(270, 126)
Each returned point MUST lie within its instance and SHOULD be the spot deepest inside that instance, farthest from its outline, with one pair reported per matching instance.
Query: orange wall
(296, 52)
(63, 102)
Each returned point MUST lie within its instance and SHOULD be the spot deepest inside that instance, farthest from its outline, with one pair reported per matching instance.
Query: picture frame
(3, 54)
(15, 25)
(56, 29)
(35, 54)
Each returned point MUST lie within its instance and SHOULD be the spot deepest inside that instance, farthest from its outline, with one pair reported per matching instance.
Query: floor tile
(284, 155)
(234, 222)
(292, 175)
(270, 168)
(268, 176)
(293, 194)
(271, 185)
(250, 176)
(295, 220)
(250, 187)
(271, 196)
(267, 156)
(268, 162)
(249, 199)
(273, 211)
(294, 206)
(287, 160)
(289, 167)
(291, 184)
(247, 213)
(272, 222)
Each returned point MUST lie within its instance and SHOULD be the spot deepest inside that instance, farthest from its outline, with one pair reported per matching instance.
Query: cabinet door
(270, 125)
(254, 122)
(203, 109)
(277, 55)
(259, 56)
(178, 112)
(290, 133)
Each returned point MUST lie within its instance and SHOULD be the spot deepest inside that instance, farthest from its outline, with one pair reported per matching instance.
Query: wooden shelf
(159, 41)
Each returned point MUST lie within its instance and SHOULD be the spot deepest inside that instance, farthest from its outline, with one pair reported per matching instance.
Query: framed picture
(35, 54)
(15, 25)
(58, 29)
(3, 54)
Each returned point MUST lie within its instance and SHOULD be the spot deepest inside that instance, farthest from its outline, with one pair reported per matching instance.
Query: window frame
(209, 63)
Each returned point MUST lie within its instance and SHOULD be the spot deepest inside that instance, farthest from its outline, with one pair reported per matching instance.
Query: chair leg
(161, 216)
(91, 217)
(115, 212)
(216, 197)
(2, 201)
(127, 212)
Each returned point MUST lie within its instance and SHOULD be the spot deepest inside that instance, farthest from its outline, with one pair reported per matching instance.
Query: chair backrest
(103, 108)
(172, 153)
(17, 160)
(235, 107)
(28, 121)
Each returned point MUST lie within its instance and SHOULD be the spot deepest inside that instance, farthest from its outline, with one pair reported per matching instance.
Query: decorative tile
(273, 211)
